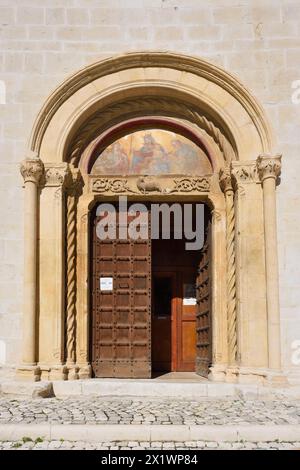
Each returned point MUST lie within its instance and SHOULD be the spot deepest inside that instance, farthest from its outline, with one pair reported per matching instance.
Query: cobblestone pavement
(148, 411)
(205, 445)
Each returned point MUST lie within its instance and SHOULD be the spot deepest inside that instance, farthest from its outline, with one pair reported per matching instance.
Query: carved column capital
(56, 174)
(225, 179)
(32, 170)
(269, 166)
(74, 181)
(244, 172)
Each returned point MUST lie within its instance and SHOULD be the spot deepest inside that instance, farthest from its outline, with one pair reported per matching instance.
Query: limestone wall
(42, 41)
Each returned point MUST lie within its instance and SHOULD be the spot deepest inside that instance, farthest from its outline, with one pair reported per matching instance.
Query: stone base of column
(276, 378)
(261, 376)
(85, 371)
(232, 374)
(217, 373)
(30, 373)
(252, 375)
(53, 372)
(73, 371)
(59, 372)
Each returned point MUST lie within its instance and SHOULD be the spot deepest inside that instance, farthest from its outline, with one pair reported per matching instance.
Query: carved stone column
(269, 169)
(31, 170)
(226, 186)
(71, 284)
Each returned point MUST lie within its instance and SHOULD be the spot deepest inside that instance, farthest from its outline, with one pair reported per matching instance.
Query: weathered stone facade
(43, 42)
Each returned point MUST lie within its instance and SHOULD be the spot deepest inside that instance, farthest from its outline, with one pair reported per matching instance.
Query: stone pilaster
(269, 169)
(252, 353)
(218, 294)
(31, 169)
(52, 271)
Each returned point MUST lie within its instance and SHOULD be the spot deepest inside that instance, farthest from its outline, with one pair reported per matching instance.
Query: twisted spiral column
(71, 277)
(226, 185)
(71, 272)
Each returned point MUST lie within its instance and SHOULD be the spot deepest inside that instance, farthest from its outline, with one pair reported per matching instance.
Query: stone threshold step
(150, 433)
(143, 388)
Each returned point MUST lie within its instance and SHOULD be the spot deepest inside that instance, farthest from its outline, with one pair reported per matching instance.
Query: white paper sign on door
(106, 283)
(189, 294)
(189, 301)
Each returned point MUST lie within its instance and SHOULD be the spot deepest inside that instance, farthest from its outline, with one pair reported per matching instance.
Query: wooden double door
(150, 305)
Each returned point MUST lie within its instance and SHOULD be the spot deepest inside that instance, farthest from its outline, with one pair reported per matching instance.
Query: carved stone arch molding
(202, 100)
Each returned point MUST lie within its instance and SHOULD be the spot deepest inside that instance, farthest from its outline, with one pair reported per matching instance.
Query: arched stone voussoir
(214, 91)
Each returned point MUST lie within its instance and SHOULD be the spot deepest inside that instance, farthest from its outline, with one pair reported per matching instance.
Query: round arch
(203, 88)
(132, 125)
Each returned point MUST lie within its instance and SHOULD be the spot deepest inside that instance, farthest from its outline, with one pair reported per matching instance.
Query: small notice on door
(189, 294)
(189, 301)
(106, 283)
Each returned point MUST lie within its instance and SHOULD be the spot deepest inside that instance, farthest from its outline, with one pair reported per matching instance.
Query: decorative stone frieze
(150, 184)
(116, 185)
(187, 185)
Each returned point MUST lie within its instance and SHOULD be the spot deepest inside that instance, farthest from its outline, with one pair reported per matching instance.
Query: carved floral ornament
(150, 184)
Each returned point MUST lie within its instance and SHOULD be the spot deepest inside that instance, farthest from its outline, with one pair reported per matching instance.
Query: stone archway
(205, 100)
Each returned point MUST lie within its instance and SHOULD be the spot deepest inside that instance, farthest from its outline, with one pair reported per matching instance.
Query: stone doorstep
(150, 433)
(143, 388)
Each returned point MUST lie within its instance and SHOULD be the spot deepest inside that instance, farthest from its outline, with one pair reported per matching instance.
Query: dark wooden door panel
(203, 322)
(121, 318)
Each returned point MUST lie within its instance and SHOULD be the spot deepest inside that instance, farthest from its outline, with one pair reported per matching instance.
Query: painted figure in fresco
(185, 158)
(113, 161)
(151, 158)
